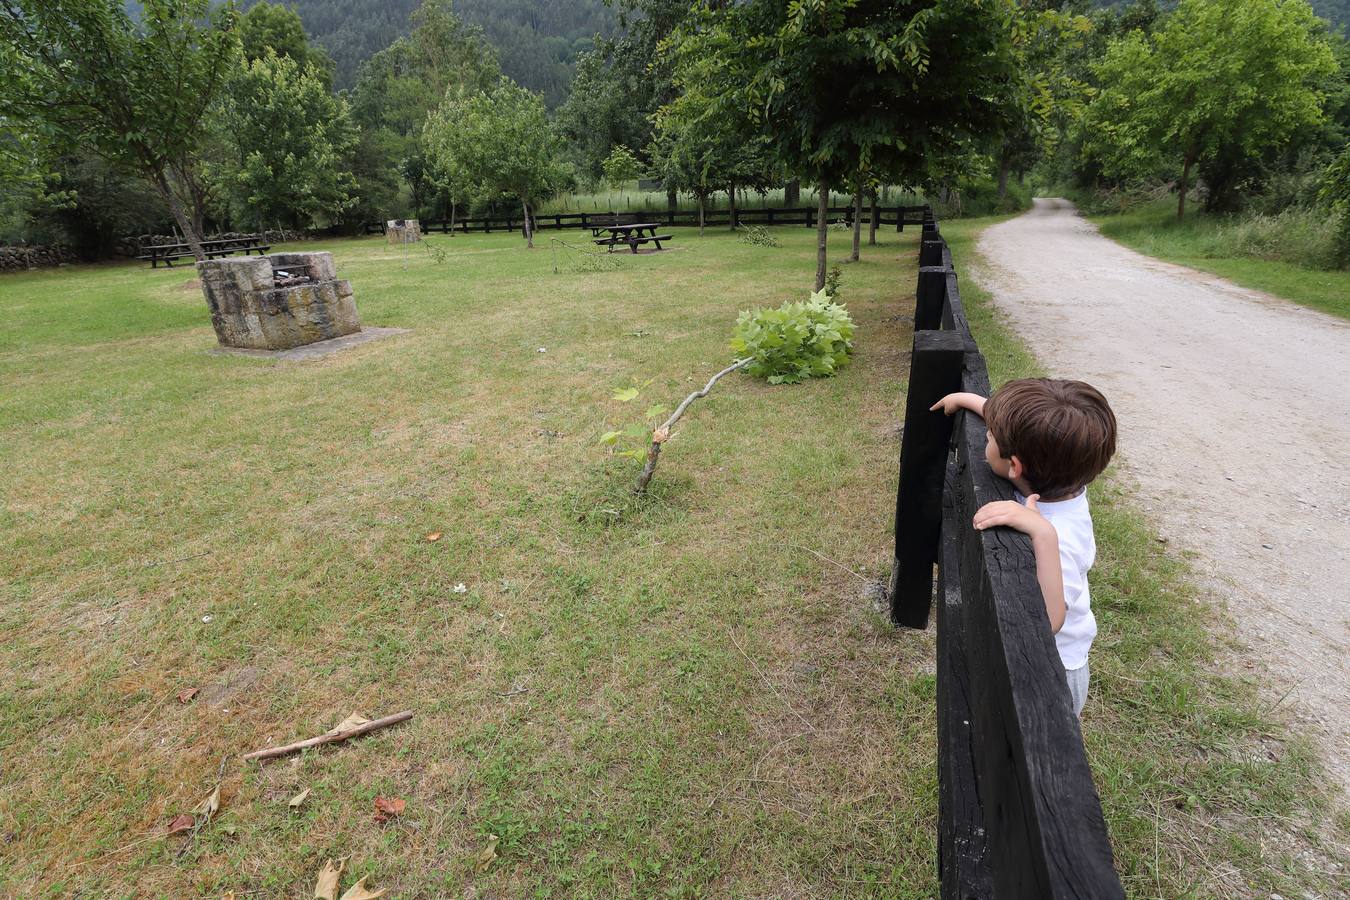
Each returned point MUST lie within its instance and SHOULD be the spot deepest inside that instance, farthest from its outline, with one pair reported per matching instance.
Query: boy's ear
(1015, 468)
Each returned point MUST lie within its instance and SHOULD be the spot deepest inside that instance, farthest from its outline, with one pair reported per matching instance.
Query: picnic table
(632, 235)
(167, 253)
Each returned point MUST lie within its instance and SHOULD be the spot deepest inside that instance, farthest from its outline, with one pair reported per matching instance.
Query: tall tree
(285, 139)
(502, 143)
(1219, 84)
(133, 92)
(396, 90)
(271, 26)
(844, 86)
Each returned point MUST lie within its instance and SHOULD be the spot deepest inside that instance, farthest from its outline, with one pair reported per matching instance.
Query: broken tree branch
(662, 434)
(331, 737)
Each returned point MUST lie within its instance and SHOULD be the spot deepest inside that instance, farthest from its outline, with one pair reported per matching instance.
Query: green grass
(1280, 255)
(1206, 794)
(674, 697)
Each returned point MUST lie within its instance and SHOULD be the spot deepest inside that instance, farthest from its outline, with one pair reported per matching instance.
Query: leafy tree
(621, 83)
(396, 90)
(1336, 194)
(1218, 85)
(621, 166)
(81, 72)
(267, 26)
(285, 137)
(501, 143)
(841, 87)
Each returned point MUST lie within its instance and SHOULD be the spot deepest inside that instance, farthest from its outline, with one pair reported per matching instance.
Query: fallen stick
(330, 737)
(662, 434)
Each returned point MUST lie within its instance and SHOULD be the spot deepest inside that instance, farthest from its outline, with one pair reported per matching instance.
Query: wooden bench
(632, 241)
(167, 253)
(604, 222)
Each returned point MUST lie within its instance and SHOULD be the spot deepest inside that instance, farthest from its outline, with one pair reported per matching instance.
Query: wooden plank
(1047, 836)
(934, 370)
(963, 846)
(930, 250)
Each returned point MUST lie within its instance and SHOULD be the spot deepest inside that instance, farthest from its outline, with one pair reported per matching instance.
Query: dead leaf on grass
(326, 887)
(433, 537)
(186, 695)
(181, 822)
(387, 808)
(359, 891)
(294, 802)
(207, 808)
(355, 720)
(486, 855)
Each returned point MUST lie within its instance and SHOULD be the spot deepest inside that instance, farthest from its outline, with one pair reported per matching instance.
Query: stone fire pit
(277, 302)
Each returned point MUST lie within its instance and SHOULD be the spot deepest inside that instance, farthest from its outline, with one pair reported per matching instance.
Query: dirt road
(1234, 409)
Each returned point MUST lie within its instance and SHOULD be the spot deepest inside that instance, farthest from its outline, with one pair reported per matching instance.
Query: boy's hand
(960, 400)
(1026, 519)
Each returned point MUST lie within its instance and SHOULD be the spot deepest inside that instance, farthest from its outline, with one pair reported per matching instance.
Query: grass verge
(1206, 794)
(1267, 253)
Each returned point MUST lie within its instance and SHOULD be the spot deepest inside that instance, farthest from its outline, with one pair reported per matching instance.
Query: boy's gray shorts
(1078, 687)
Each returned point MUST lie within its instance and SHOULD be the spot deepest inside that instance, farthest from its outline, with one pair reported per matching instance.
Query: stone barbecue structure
(277, 302)
(403, 231)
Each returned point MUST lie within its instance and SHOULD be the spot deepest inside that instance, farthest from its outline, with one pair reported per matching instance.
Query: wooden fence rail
(1018, 814)
(899, 216)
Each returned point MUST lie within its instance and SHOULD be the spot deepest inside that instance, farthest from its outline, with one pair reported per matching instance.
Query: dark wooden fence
(1019, 816)
(899, 216)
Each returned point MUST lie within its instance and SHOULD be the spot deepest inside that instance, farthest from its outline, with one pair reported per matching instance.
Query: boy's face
(1002, 467)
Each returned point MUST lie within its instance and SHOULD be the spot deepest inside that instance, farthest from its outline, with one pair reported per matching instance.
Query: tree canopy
(1219, 84)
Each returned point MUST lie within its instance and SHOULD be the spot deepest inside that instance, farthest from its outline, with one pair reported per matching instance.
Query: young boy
(1050, 438)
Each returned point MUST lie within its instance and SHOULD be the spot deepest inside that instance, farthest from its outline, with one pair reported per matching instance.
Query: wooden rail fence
(899, 216)
(1019, 816)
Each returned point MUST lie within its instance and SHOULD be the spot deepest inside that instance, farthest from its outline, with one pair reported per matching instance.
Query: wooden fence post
(929, 297)
(934, 371)
(930, 250)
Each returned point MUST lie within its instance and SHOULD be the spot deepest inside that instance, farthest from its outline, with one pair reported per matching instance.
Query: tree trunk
(872, 224)
(792, 193)
(190, 235)
(672, 201)
(822, 232)
(1003, 166)
(529, 234)
(452, 216)
(700, 214)
(1182, 188)
(857, 223)
(731, 193)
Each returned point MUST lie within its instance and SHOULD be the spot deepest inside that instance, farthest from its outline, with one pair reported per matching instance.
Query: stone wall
(277, 302)
(19, 259)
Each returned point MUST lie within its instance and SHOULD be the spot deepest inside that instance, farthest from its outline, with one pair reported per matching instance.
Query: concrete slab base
(318, 348)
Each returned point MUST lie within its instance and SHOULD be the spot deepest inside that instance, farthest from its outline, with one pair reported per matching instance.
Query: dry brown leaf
(355, 720)
(181, 823)
(387, 808)
(207, 808)
(359, 891)
(661, 435)
(186, 695)
(486, 855)
(326, 887)
(294, 802)
(433, 537)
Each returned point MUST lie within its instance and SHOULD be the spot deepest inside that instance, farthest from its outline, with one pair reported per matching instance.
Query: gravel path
(1234, 409)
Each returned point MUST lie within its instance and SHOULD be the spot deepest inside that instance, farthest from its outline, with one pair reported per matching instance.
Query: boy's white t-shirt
(1077, 552)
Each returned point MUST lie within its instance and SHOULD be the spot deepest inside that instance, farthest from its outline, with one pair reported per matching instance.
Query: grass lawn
(674, 697)
(1154, 230)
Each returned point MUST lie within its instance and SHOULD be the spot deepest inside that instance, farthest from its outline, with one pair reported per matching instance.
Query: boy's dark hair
(1063, 432)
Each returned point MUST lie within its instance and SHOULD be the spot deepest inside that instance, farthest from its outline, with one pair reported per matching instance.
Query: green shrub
(796, 341)
(832, 280)
(760, 236)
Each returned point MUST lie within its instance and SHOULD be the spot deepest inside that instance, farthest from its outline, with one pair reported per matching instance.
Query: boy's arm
(960, 400)
(1044, 542)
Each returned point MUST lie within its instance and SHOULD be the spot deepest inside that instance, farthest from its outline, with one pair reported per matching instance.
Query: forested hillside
(1337, 12)
(537, 43)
